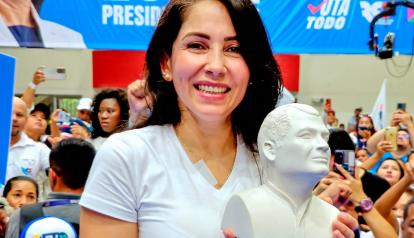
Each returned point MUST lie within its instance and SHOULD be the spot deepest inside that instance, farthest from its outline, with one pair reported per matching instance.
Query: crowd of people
(175, 146)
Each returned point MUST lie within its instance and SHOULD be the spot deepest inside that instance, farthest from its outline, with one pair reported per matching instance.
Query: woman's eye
(196, 46)
(234, 49)
(17, 195)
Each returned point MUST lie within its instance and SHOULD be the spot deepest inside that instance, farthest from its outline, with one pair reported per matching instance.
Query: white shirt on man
(145, 176)
(27, 158)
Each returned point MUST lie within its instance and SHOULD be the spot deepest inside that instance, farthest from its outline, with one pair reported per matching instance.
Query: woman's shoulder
(140, 143)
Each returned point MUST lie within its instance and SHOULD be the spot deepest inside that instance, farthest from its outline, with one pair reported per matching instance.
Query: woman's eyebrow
(205, 36)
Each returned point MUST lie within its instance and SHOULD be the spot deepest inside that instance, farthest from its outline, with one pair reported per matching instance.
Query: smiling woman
(213, 78)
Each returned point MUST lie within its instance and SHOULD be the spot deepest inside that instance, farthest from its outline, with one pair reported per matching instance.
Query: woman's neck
(17, 12)
(206, 138)
(398, 154)
(214, 144)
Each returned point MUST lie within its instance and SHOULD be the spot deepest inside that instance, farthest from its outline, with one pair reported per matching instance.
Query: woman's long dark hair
(265, 77)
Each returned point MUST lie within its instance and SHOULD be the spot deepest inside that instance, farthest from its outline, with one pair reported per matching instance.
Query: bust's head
(293, 140)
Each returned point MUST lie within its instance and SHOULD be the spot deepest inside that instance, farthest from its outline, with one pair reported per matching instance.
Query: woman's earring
(166, 76)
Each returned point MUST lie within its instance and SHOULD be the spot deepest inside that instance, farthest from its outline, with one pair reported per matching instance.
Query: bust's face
(304, 149)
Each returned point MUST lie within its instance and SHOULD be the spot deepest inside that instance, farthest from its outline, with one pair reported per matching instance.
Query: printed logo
(51, 235)
(26, 171)
(328, 14)
(55, 235)
(410, 15)
(369, 11)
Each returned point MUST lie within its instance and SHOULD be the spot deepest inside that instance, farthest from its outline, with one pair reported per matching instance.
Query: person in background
(37, 123)
(364, 187)
(389, 200)
(21, 26)
(70, 162)
(398, 208)
(331, 120)
(363, 131)
(29, 93)
(385, 150)
(26, 157)
(361, 155)
(5, 212)
(82, 127)
(21, 190)
(391, 170)
(360, 205)
(110, 114)
(352, 122)
(401, 119)
(84, 110)
(213, 78)
(407, 226)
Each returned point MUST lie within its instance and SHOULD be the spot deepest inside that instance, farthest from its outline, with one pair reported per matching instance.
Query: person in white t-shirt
(26, 157)
(213, 78)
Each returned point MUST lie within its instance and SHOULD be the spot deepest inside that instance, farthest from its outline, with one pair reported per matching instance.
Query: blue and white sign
(7, 66)
(294, 27)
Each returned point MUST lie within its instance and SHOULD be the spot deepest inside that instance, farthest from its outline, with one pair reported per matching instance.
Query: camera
(387, 50)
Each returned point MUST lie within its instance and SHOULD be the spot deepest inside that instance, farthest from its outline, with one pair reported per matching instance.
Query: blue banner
(7, 66)
(294, 27)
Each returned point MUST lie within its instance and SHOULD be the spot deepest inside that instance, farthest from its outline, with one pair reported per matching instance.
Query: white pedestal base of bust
(261, 213)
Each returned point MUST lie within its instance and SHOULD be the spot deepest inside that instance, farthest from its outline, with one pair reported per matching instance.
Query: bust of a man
(294, 153)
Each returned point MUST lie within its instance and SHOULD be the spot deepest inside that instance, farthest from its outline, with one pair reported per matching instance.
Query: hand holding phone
(346, 158)
(54, 73)
(390, 135)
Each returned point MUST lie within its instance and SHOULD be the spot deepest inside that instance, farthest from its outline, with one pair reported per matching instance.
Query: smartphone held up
(346, 158)
(391, 136)
(402, 106)
(53, 73)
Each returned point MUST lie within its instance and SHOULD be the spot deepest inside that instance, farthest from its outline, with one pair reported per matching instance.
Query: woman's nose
(215, 65)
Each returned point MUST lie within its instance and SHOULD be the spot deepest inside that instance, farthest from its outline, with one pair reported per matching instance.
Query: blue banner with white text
(294, 27)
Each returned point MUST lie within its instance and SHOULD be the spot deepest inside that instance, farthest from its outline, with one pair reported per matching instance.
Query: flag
(379, 109)
(285, 98)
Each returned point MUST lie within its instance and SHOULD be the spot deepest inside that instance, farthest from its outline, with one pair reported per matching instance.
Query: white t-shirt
(98, 142)
(145, 176)
(27, 157)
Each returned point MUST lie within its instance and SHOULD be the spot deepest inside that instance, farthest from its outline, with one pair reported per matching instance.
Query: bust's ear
(269, 150)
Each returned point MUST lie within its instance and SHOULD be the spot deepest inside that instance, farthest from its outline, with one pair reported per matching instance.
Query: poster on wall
(294, 27)
(7, 67)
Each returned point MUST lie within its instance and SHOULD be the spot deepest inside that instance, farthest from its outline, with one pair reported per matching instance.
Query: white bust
(295, 156)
